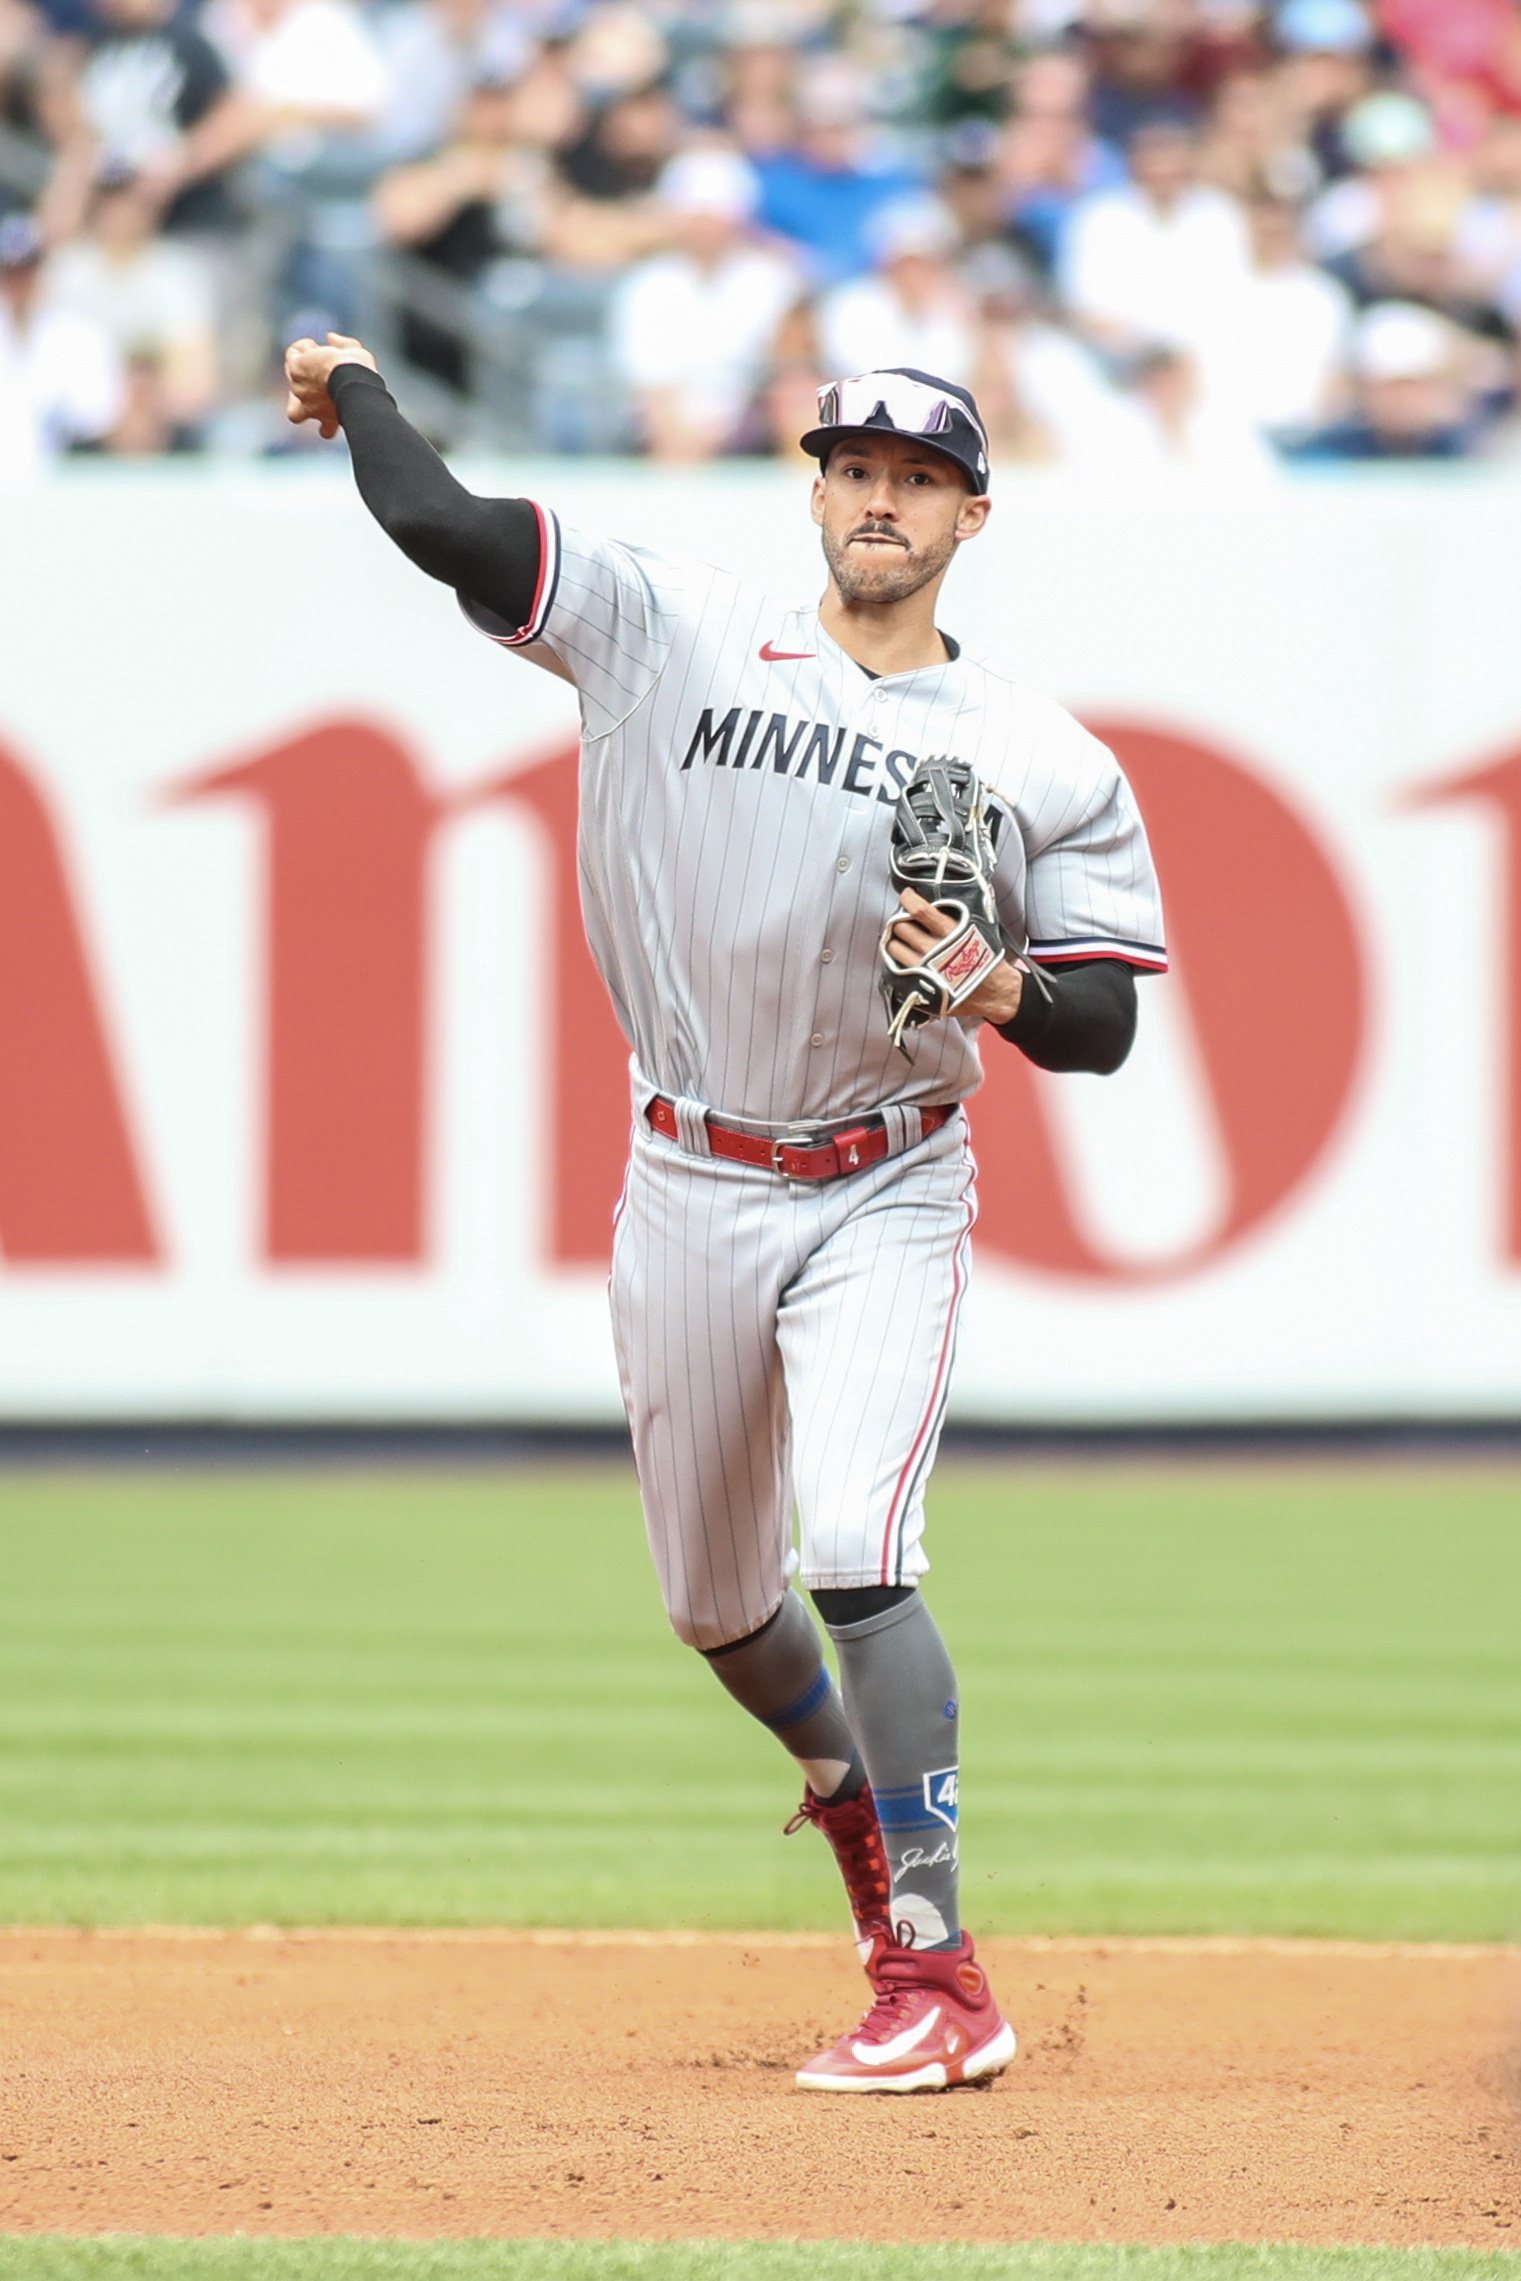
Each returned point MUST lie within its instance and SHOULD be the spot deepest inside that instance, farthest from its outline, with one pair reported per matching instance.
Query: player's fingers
(908, 945)
(935, 923)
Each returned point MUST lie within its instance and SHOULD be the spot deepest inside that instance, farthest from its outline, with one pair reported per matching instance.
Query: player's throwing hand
(911, 939)
(308, 369)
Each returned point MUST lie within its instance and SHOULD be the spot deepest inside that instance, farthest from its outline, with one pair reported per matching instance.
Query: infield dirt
(424, 2084)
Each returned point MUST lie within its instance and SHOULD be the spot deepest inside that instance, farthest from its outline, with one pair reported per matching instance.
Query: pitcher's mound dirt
(480, 2083)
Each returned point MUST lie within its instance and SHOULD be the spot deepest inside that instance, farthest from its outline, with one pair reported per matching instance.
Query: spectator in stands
(34, 64)
(758, 100)
(913, 311)
(616, 51)
(153, 299)
(1154, 263)
(1048, 156)
(1391, 143)
(152, 93)
(1288, 337)
(1411, 401)
(435, 52)
(1398, 223)
(974, 62)
(692, 329)
(789, 401)
(1251, 141)
(823, 194)
(970, 189)
(489, 195)
(1044, 392)
(551, 113)
(305, 69)
(624, 147)
(609, 214)
(485, 194)
(1139, 52)
(60, 382)
(1327, 69)
(1486, 247)
(1191, 428)
(311, 87)
(1068, 408)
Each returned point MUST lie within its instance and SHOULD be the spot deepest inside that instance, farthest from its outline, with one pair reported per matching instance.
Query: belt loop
(903, 1126)
(692, 1128)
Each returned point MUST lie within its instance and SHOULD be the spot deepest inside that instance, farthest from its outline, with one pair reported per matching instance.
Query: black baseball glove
(943, 850)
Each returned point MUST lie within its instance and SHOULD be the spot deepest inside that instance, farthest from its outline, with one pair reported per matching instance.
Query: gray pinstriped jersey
(738, 776)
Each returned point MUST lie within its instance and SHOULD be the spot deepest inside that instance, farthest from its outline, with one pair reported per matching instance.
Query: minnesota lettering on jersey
(798, 748)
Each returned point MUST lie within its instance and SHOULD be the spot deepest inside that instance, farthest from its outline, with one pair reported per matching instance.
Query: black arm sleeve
(1088, 1022)
(487, 549)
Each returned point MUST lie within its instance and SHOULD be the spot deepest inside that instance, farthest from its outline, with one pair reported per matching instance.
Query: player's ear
(974, 513)
(816, 501)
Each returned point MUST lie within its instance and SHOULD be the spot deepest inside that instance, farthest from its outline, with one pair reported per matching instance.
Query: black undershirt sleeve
(1087, 1022)
(488, 549)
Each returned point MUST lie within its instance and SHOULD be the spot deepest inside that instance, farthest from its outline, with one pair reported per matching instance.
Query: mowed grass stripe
(124, 2257)
(1266, 1699)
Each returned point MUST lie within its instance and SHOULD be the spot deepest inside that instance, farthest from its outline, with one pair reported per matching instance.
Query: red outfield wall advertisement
(312, 1104)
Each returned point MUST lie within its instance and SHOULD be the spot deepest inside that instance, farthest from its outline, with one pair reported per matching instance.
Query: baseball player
(790, 1253)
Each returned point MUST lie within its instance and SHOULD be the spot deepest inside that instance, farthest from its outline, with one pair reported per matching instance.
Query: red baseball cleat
(856, 1838)
(934, 2024)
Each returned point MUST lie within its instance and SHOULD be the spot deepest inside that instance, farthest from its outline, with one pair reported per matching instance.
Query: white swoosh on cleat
(883, 2054)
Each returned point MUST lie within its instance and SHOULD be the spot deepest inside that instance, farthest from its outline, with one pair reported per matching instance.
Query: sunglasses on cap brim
(885, 399)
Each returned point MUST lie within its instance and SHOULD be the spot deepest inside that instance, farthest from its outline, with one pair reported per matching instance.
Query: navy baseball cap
(903, 402)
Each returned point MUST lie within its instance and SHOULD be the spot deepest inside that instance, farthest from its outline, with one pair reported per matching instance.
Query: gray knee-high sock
(779, 1675)
(900, 1699)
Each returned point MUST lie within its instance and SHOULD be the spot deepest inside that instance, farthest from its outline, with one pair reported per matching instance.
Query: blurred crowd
(1151, 234)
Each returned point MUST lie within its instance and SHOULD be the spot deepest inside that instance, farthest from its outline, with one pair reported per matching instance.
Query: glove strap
(945, 977)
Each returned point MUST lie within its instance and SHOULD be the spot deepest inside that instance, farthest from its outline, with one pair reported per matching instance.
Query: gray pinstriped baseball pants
(779, 1341)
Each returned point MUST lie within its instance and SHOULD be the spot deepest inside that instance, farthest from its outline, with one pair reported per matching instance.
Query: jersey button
(826, 956)
(842, 863)
(817, 1038)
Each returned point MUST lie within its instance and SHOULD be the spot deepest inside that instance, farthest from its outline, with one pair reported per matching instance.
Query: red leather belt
(839, 1149)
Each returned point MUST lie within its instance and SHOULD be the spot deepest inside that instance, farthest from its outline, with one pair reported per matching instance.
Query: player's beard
(890, 574)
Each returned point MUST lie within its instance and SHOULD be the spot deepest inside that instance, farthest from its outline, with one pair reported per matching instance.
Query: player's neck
(885, 637)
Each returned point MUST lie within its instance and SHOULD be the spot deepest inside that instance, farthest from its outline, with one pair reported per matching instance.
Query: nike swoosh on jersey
(899, 2046)
(783, 656)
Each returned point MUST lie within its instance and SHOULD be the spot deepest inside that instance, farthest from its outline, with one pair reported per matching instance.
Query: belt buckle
(816, 1137)
(801, 1137)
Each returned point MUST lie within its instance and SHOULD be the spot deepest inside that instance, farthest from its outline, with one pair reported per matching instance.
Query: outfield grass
(1260, 1700)
(126, 2257)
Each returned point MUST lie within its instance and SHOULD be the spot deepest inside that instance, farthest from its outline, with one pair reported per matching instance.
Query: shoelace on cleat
(860, 1853)
(896, 1987)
